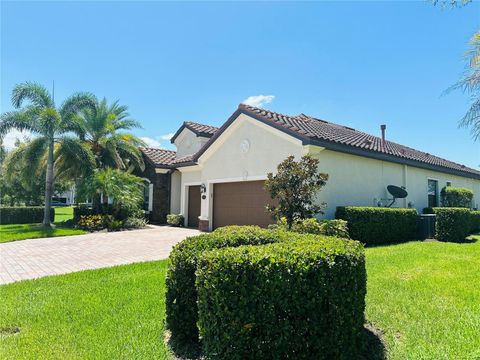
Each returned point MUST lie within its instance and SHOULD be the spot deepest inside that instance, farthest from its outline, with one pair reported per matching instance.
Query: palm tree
(51, 126)
(470, 83)
(101, 128)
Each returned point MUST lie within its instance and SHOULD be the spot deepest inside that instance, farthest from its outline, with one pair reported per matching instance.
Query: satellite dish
(397, 192)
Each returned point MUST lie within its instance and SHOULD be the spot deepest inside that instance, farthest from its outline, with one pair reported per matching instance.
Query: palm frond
(75, 104)
(37, 94)
(19, 120)
(74, 159)
(34, 157)
(472, 119)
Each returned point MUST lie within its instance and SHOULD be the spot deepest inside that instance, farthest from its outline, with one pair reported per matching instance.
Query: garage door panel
(241, 203)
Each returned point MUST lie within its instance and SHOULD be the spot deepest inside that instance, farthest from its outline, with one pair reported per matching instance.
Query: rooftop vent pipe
(383, 128)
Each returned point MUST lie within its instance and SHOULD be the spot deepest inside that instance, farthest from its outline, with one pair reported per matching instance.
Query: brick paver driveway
(29, 259)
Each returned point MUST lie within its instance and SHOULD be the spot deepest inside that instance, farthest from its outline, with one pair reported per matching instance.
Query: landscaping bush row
(337, 228)
(301, 299)
(23, 215)
(455, 224)
(375, 225)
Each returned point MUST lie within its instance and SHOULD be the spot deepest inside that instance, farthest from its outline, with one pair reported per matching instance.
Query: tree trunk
(48, 186)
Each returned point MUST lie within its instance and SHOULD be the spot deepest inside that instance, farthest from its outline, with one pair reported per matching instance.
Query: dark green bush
(291, 300)
(453, 224)
(475, 220)
(23, 215)
(181, 297)
(337, 228)
(456, 197)
(175, 220)
(377, 225)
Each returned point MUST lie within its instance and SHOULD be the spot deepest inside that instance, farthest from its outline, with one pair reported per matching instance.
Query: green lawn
(15, 232)
(114, 313)
(424, 296)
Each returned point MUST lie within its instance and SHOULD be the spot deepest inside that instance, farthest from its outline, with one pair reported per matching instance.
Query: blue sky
(359, 64)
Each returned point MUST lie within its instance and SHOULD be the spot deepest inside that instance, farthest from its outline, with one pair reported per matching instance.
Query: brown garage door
(193, 205)
(240, 203)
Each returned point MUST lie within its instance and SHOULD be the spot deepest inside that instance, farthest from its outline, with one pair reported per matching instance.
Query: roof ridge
(153, 148)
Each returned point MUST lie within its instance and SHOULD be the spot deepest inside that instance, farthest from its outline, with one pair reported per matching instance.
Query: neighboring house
(216, 176)
(66, 198)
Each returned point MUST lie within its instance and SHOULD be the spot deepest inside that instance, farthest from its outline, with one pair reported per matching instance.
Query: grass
(423, 295)
(113, 313)
(425, 298)
(13, 232)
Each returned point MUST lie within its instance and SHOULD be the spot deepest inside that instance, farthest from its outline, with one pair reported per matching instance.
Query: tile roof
(201, 129)
(198, 129)
(159, 157)
(316, 129)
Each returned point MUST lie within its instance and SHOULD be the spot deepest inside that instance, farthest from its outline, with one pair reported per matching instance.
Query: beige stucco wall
(246, 151)
(356, 180)
(249, 149)
(188, 143)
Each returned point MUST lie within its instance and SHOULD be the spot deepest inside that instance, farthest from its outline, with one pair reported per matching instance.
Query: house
(216, 176)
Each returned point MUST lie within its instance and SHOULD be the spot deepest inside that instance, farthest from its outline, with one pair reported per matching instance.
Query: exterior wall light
(203, 189)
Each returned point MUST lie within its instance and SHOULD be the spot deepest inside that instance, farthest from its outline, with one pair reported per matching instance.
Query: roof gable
(196, 128)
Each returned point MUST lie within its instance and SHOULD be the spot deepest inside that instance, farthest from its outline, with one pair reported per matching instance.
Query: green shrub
(181, 297)
(291, 300)
(175, 220)
(23, 215)
(452, 224)
(91, 222)
(111, 223)
(456, 197)
(376, 225)
(119, 214)
(337, 228)
(134, 223)
(475, 221)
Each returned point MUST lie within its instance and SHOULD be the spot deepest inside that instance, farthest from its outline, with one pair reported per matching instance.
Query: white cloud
(151, 142)
(10, 138)
(167, 136)
(258, 100)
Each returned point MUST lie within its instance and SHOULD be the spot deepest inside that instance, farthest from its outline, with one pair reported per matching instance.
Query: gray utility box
(427, 226)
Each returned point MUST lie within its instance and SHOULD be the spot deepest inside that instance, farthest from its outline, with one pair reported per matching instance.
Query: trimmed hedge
(292, 300)
(475, 219)
(23, 215)
(453, 224)
(181, 296)
(378, 225)
(456, 197)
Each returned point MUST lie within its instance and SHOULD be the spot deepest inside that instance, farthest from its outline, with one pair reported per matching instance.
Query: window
(432, 193)
(147, 195)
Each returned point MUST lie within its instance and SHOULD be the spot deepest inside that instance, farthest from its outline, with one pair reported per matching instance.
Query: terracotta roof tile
(201, 129)
(159, 157)
(312, 128)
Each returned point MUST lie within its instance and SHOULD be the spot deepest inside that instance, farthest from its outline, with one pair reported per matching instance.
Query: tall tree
(102, 128)
(36, 112)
